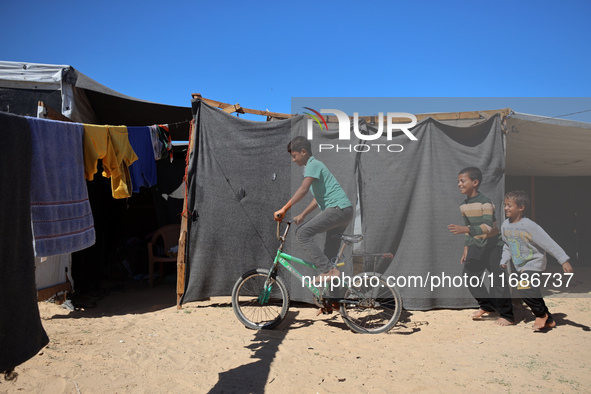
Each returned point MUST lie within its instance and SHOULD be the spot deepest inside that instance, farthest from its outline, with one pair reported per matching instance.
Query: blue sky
(261, 54)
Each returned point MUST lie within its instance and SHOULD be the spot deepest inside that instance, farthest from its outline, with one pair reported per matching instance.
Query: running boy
(336, 208)
(482, 247)
(526, 243)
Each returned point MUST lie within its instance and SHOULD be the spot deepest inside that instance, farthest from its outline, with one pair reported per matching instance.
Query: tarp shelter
(551, 160)
(406, 201)
(542, 146)
(70, 93)
(81, 98)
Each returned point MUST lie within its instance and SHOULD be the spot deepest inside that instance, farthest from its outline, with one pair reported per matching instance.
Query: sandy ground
(136, 341)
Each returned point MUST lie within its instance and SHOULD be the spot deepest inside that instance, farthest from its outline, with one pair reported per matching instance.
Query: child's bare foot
(542, 323)
(550, 324)
(479, 314)
(501, 321)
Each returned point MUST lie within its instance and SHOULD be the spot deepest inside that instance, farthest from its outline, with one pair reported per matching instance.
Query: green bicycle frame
(284, 259)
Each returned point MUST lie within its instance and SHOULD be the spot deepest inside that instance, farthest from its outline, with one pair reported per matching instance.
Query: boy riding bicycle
(329, 196)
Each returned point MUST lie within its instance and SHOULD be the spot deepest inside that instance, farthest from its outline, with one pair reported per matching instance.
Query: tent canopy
(542, 146)
(81, 98)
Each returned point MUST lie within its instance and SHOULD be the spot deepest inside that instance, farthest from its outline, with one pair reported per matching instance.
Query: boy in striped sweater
(482, 248)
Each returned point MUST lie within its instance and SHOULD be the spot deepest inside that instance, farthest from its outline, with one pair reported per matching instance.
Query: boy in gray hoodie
(526, 244)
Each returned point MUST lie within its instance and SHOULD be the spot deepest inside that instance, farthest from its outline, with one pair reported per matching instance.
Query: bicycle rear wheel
(258, 306)
(370, 306)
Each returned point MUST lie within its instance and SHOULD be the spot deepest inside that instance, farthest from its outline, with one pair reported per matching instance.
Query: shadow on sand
(252, 377)
(129, 298)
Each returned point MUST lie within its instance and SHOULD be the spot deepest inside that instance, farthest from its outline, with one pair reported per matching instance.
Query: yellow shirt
(111, 145)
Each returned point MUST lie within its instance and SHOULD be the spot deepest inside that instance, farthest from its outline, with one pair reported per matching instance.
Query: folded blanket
(60, 209)
(21, 332)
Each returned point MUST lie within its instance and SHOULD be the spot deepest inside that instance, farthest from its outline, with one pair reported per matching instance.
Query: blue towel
(60, 209)
(142, 171)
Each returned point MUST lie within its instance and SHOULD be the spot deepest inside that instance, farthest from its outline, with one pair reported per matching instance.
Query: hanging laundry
(164, 142)
(111, 144)
(60, 209)
(157, 144)
(143, 171)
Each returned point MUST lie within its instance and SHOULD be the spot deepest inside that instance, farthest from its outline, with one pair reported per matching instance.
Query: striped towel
(60, 209)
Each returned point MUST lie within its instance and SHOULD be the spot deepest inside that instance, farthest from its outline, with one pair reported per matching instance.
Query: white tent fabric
(53, 270)
(50, 77)
(31, 75)
(541, 146)
(76, 90)
(22, 75)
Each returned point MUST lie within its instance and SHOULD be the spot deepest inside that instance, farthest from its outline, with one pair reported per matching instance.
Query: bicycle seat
(350, 239)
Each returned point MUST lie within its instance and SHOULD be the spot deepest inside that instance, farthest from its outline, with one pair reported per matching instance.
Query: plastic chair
(170, 238)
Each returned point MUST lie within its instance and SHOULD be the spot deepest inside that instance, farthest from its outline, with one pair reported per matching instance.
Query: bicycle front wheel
(259, 306)
(371, 306)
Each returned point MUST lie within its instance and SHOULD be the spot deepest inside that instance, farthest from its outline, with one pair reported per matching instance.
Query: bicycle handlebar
(279, 224)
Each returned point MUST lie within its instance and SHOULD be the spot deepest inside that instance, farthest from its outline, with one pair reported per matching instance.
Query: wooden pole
(230, 108)
(180, 264)
(180, 278)
(50, 113)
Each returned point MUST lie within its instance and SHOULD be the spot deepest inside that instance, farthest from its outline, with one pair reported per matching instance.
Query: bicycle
(261, 300)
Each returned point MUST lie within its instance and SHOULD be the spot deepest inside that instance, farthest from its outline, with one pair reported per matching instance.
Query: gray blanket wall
(407, 199)
(240, 173)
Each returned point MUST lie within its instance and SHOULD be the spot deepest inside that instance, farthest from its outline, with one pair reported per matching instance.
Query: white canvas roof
(542, 146)
(23, 75)
(84, 99)
(31, 75)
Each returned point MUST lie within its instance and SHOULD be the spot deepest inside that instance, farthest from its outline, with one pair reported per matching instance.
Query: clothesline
(49, 113)
(61, 217)
(178, 123)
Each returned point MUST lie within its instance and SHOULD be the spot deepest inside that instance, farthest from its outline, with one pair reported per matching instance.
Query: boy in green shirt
(329, 196)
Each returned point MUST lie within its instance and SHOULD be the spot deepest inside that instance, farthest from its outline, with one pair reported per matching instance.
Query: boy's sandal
(328, 308)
